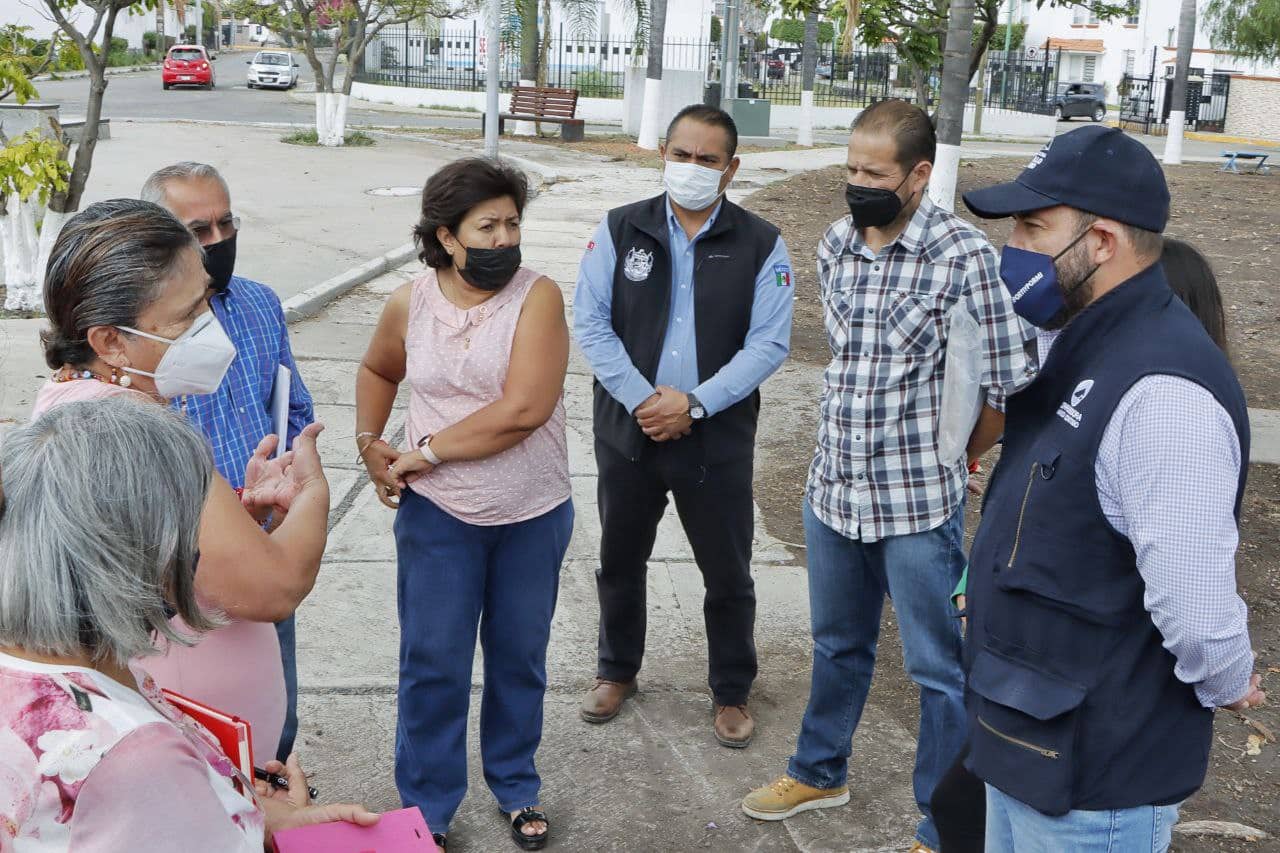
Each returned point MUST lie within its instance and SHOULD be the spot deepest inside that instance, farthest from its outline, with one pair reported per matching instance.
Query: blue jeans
(287, 633)
(848, 580)
(453, 578)
(1016, 826)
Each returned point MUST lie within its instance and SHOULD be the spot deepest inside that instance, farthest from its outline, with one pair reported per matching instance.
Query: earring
(124, 381)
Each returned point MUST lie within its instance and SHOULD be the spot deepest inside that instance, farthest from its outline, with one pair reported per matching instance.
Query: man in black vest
(1104, 624)
(683, 308)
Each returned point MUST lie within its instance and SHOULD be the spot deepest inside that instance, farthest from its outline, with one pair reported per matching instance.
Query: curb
(77, 75)
(1231, 140)
(313, 300)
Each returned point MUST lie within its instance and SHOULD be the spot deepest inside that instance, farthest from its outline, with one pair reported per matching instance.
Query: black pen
(279, 781)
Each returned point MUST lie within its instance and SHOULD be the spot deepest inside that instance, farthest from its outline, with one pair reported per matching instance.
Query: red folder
(231, 732)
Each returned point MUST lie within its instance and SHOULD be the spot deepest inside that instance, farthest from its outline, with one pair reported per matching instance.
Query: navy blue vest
(727, 260)
(1072, 698)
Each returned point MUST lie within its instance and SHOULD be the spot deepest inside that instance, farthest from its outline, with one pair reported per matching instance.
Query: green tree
(22, 58)
(791, 30)
(717, 29)
(1248, 27)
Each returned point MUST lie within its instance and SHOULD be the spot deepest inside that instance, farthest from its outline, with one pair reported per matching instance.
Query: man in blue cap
(1104, 623)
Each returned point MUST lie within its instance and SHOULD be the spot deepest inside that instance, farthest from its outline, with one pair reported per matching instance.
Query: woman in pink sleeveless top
(125, 292)
(482, 491)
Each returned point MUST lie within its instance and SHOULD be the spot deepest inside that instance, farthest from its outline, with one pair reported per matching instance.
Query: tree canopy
(1248, 27)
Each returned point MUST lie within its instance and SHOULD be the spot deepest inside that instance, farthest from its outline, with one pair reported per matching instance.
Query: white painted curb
(313, 300)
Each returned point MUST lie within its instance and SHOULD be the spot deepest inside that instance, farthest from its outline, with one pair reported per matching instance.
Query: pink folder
(403, 831)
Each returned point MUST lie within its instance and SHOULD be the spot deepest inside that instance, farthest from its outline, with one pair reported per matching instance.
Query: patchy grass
(356, 139)
(615, 146)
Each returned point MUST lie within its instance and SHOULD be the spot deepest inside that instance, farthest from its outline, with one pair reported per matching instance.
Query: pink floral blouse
(89, 765)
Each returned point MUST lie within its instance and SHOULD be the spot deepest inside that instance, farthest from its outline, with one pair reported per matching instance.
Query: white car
(274, 69)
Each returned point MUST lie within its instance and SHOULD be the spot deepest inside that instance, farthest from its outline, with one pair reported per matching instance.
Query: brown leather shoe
(603, 701)
(734, 726)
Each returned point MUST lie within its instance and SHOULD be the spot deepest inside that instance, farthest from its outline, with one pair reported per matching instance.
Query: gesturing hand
(378, 458)
(665, 415)
(270, 485)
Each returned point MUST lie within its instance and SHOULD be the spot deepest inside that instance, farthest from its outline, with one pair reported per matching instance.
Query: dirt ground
(617, 147)
(1232, 219)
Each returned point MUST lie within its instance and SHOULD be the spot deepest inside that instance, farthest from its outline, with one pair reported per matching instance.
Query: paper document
(280, 406)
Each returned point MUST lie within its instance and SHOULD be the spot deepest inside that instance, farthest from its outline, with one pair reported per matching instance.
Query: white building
(1104, 51)
(129, 25)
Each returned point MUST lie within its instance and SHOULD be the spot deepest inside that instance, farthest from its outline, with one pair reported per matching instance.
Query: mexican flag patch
(782, 275)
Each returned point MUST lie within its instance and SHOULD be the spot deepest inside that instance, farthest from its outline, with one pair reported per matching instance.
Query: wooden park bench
(1260, 167)
(544, 104)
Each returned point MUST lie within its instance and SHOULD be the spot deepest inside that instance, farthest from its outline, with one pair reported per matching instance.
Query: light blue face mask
(1032, 280)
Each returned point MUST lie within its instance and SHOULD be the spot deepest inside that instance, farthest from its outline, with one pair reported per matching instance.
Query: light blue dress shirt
(767, 344)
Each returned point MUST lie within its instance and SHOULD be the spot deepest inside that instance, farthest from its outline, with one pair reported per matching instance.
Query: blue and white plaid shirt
(238, 415)
(876, 472)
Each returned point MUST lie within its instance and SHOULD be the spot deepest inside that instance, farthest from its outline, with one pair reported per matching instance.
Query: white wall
(1152, 31)
(129, 25)
(590, 109)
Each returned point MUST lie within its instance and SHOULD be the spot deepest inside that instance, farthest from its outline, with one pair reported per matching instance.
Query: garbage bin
(748, 90)
(751, 115)
(711, 94)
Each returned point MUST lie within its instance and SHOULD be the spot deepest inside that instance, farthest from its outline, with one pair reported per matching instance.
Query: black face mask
(219, 262)
(490, 269)
(873, 207)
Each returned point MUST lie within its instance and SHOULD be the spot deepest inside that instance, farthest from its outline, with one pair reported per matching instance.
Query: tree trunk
(1178, 95)
(651, 115)
(920, 76)
(955, 92)
(528, 10)
(21, 250)
(808, 70)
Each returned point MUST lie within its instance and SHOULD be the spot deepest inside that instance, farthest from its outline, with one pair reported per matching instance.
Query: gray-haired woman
(127, 298)
(99, 534)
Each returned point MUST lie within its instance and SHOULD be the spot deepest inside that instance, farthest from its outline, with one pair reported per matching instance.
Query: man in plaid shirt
(883, 513)
(237, 416)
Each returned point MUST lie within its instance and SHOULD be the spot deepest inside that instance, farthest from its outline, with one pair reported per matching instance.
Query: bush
(69, 58)
(150, 39)
(355, 139)
(595, 84)
(118, 45)
(323, 39)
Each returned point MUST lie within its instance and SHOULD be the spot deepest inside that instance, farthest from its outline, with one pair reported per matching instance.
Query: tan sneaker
(919, 847)
(786, 797)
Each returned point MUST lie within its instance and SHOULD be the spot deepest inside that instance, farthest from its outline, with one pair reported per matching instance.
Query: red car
(187, 65)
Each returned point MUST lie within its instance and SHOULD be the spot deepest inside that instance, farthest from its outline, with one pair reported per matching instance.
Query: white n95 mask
(691, 186)
(195, 362)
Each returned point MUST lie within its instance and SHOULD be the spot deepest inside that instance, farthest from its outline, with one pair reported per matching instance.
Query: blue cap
(1100, 170)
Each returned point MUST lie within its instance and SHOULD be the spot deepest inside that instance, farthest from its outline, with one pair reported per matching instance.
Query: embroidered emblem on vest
(638, 264)
(1069, 411)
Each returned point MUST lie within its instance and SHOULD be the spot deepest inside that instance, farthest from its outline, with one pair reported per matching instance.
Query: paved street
(139, 95)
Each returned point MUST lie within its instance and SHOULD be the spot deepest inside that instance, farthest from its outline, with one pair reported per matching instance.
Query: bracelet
(362, 448)
(424, 444)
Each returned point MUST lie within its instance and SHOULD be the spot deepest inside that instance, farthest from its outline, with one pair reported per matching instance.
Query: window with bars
(1080, 15)
(1090, 68)
(1135, 11)
(1130, 58)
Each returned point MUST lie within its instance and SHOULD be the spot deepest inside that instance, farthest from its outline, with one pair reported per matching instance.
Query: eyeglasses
(228, 226)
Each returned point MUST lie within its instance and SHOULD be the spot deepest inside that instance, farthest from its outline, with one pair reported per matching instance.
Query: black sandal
(438, 838)
(524, 841)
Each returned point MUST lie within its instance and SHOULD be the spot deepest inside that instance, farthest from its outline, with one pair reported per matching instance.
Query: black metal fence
(1146, 102)
(457, 59)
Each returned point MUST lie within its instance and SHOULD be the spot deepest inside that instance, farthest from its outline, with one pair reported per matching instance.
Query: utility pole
(493, 33)
(1004, 71)
(199, 23)
(729, 76)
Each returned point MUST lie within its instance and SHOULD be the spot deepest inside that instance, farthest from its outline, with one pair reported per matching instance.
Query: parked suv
(187, 65)
(274, 68)
(1080, 99)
